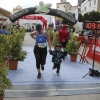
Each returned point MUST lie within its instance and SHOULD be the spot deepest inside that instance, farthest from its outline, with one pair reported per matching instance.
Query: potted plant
(15, 52)
(72, 47)
(55, 39)
(50, 33)
(22, 32)
(5, 83)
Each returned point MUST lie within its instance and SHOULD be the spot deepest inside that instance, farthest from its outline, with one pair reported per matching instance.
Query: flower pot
(73, 58)
(13, 65)
(1, 98)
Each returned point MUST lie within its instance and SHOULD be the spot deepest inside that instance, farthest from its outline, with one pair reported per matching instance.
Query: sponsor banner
(90, 53)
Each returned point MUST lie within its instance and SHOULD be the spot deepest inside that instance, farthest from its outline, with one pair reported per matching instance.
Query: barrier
(84, 51)
(97, 50)
(80, 39)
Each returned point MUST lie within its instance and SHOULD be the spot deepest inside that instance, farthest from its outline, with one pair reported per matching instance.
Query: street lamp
(79, 7)
(50, 19)
(79, 10)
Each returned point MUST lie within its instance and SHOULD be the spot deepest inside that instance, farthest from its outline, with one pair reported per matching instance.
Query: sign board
(91, 25)
(90, 53)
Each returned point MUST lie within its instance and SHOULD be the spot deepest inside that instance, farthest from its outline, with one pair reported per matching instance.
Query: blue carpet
(70, 73)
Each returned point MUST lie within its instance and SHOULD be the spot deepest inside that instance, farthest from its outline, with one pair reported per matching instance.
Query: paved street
(53, 92)
(73, 97)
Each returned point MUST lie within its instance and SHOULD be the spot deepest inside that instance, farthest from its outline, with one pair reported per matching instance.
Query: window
(90, 3)
(94, 2)
(82, 11)
(85, 9)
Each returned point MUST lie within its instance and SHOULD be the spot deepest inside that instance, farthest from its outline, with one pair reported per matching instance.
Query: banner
(90, 53)
(76, 14)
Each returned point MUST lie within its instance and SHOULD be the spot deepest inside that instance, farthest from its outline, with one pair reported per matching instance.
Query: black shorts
(40, 55)
(40, 51)
(56, 65)
(64, 44)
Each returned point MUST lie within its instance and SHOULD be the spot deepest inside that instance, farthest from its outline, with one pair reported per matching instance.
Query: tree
(94, 16)
(80, 18)
(91, 16)
(86, 17)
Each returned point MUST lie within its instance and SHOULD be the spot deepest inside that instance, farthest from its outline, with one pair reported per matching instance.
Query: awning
(5, 12)
(3, 17)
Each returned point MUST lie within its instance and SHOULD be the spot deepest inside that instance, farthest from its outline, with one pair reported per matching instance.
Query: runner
(40, 48)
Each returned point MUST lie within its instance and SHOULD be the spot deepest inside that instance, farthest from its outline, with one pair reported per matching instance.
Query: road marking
(81, 88)
(54, 89)
(33, 90)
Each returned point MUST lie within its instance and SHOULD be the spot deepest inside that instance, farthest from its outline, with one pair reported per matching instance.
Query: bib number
(42, 45)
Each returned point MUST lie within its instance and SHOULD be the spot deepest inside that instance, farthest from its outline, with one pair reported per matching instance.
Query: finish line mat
(70, 73)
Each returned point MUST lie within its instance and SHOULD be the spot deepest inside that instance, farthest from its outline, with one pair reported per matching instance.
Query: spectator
(3, 31)
(63, 37)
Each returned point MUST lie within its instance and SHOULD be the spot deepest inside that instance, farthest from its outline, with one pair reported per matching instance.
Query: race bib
(42, 45)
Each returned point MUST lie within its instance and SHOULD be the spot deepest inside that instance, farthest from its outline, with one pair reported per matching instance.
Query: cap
(38, 27)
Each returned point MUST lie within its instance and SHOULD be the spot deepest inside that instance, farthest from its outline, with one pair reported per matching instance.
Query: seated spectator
(82, 32)
(88, 32)
(98, 34)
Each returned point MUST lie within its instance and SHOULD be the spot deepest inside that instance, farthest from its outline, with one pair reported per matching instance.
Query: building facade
(16, 9)
(66, 6)
(79, 2)
(90, 5)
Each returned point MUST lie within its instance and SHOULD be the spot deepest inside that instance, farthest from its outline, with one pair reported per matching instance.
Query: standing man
(63, 37)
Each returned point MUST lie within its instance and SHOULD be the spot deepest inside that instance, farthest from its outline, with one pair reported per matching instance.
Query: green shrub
(5, 83)
(55, 39)
(72, 46)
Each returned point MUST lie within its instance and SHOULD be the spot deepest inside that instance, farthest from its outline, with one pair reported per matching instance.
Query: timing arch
(43, 9)
(32, 17)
